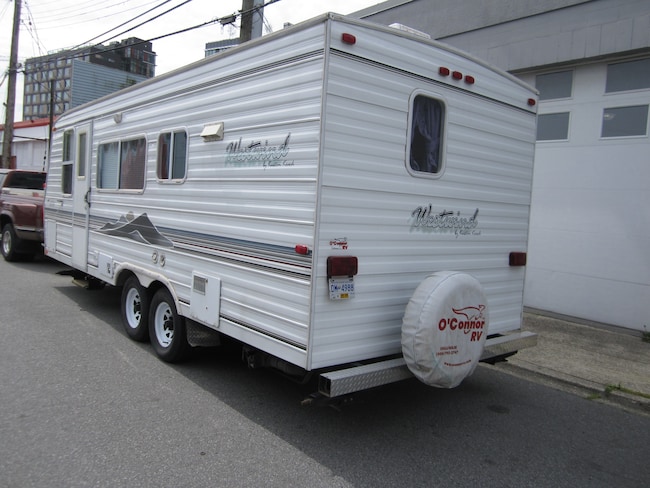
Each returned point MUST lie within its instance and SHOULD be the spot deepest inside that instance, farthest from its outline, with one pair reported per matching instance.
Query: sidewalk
(604, 363)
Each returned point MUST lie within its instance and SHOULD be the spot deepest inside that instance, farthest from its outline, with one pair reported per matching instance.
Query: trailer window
(108, 165)
(132, 163)
(81, 166)
(66, 166)
(172, 155)
(121, 165)
(425, 144)
(66, 178)
(67, 145)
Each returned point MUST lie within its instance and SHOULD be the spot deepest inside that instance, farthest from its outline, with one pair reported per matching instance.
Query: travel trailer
(342, 198)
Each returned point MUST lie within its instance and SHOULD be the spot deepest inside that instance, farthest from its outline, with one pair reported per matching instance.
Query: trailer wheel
(444, 328)
(9, 243)
(135, 309)
(167, 329)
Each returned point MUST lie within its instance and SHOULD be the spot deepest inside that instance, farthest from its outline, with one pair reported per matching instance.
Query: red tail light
(342, 266)
(302, 249)
(517, 259)
(348, 38)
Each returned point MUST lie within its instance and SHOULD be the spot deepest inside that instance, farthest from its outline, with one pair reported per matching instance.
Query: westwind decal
(446, 222)
(254, 153)
(139, 229)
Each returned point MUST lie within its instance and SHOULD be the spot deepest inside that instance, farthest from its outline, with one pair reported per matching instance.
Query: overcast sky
(52, 25)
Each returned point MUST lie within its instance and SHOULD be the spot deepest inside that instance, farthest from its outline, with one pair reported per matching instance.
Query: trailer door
(81, 198)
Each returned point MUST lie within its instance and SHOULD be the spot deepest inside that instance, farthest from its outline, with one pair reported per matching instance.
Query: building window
(121, 165)
(552, 86)
(553, 127)
(426, 139)
(625, 121)
(630, 75)
(172, 155)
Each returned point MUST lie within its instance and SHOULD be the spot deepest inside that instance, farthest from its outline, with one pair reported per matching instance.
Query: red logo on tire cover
(467, 319)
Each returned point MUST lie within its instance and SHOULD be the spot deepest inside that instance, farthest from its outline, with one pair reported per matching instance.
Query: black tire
(135, 309)
(167, 330)
(10, 243)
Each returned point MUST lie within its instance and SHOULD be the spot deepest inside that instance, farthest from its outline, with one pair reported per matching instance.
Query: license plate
(341, 288)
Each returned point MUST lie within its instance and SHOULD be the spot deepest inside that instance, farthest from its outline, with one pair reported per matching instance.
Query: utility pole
(11, 90)
(246, 30)
(252, 13)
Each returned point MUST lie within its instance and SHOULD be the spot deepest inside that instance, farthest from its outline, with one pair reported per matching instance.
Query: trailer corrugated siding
(368, 195)
(236, 221)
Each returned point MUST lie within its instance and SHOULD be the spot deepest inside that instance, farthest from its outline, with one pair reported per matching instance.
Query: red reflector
(469, 79)
(348, 38)
(342, 266)
(517, 259)
(531, 102)
(457, 75)
(302, 249)
(444, 71)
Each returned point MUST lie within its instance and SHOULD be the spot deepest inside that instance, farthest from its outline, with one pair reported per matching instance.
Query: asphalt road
(83, 405)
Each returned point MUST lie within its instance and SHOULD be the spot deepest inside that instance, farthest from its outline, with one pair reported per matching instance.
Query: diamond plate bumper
(344, 381)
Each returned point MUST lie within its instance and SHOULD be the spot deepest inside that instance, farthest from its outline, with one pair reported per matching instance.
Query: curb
(579, 386)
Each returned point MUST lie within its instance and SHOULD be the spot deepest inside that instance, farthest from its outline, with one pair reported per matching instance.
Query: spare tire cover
(444, 328)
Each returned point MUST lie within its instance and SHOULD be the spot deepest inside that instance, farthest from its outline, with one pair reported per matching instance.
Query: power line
(146, 21)
(223, 20)
(56, 14)
(128, 21)
(31, 28)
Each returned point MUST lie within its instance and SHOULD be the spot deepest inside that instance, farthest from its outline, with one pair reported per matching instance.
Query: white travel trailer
(342, 198)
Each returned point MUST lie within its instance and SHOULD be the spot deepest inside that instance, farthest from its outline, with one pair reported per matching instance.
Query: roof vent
(410, 30)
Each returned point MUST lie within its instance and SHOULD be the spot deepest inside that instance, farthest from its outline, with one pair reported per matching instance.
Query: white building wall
(30, 155)
(29, 146)
(590, 214)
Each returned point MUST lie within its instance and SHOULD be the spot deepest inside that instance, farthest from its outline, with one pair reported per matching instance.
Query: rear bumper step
(345, 381)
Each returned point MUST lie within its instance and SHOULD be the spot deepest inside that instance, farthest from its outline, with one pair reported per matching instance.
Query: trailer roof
(323, 18)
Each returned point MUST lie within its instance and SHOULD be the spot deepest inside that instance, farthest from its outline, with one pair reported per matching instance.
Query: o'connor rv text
(345, 201)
